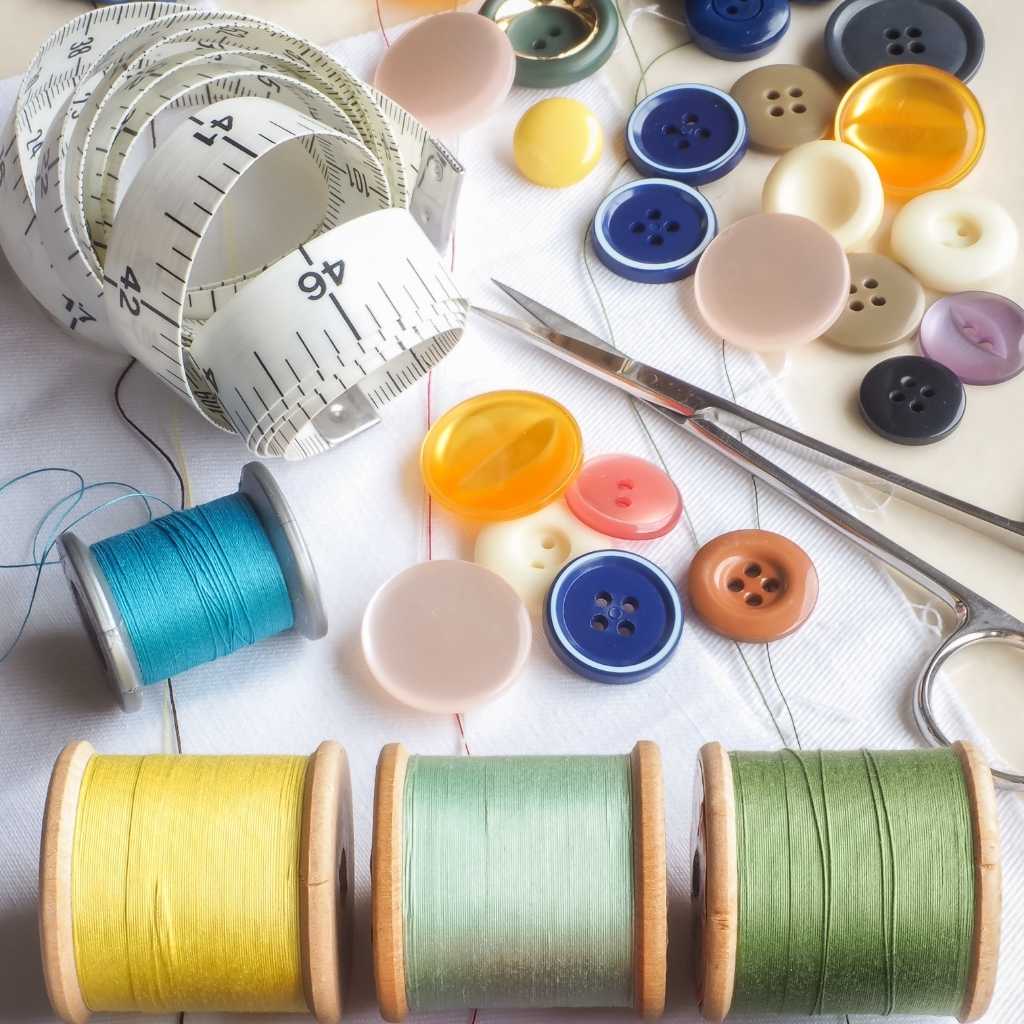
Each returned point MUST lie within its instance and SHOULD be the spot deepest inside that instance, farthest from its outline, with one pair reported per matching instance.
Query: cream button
(885, 307)
(785, 105)
(955, 242)
(832, 184)
(528, 553)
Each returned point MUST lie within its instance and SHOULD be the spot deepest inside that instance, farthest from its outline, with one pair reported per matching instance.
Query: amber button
(753, 586)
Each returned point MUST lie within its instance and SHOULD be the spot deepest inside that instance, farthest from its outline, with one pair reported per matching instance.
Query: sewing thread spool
(171, 881)
(830, 882)
(219, 576)
(519, 882)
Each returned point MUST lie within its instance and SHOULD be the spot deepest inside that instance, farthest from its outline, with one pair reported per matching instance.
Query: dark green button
(556, 43)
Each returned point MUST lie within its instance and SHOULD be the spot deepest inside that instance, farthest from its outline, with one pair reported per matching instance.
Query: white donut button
(954, 241)
(832, 184)
(530, 552)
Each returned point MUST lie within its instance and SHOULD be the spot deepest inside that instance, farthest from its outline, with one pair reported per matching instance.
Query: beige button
(885, 306)
(785, 105)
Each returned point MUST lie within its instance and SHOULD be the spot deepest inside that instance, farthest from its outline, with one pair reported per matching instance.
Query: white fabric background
(846, 674)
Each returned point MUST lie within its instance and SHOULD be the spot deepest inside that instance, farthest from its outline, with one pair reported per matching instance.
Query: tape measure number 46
(273, 256)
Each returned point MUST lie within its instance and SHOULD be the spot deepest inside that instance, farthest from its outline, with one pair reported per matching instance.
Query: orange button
(501, 455)
(753, 586)
(922, 128)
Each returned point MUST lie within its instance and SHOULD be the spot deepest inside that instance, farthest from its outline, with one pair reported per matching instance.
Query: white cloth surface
(846, 674)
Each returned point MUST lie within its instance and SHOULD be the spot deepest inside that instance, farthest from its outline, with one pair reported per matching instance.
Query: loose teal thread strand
(518, 882)
(195, 585)
(856, 882)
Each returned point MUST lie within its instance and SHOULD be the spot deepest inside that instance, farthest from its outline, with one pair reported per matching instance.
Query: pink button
(450, 70)
(772, 281)
(626, 497)
(445, 636)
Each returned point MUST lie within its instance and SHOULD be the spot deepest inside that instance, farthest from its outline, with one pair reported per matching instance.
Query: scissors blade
(549, 318)
(600, 359)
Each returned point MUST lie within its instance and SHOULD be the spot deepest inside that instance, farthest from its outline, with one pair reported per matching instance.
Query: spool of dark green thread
(519, 882)
(846, 882)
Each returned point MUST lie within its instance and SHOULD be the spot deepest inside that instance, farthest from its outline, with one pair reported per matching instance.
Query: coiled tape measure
(316, 341)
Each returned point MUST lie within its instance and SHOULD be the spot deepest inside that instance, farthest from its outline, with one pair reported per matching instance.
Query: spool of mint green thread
(518, 882)
(859, 888)
(195, 585)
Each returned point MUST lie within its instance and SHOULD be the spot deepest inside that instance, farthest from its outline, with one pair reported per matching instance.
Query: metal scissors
(711, 418)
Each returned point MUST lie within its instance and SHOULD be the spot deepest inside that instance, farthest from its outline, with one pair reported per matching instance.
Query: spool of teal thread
(195, 585)
(845, 882)
(518, 882)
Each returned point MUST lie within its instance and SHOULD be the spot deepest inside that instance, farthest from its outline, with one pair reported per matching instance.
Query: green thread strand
(518, 882)
(856, 882)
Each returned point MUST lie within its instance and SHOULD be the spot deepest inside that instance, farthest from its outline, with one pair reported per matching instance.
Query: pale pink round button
(626, 497)
(450, 71)
(445, 636)
(772, 281)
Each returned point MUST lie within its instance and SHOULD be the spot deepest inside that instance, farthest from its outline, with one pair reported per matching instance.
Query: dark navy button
(737, 29)
(862, 35)
(912, 400)
(613, 617)
(653, 231)
(693, 133)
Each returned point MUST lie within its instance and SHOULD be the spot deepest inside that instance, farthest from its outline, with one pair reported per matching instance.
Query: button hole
(917, 47)
(684, 143)
(735, 585)
(625, 485)
(656, 240)
(798, 108)
(623, 502)
(672, 225)
(754, 600)
(547, 543)
(773, 94)
(637, 228)
(896, 50)
(626, 628)
(917, 406)
(892, 33)
(630, 605)
(704, 133)
(878, 300)
(540, 44)
(871, 283)
(907, 382)
(897, 396)
(796, 92)
(857, 306)
(927, 392)
(654, 214)
(770, 585)
(753, 569)
(853, 289)
(914, 32)
(555, 30)
(599, 622)
(690, 119)
(776, 111)
(603, 599)
(537, 565)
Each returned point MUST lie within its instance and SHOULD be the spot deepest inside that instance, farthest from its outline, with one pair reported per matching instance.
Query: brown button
(885, 307)
(785, 105)
(753, 586)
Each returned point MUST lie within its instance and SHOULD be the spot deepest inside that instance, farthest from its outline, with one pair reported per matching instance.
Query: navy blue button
(862, 35)
(613, 617)
(692, 133)
(737, 29)
(912, 400)
(653, 231)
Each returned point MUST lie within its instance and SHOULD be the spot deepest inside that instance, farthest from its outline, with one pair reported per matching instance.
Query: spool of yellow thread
(208, 884)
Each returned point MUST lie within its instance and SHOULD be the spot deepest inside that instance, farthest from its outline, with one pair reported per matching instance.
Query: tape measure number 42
(273, 257)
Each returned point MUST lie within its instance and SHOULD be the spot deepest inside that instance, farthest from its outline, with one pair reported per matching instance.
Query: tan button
(753, 586)
(885, 307)
(785, 105)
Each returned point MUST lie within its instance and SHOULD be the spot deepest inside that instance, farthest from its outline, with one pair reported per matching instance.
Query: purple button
(977, 335)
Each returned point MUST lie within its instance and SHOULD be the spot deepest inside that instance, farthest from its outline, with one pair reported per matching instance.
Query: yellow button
(922, 128)
(557, 142)
(501, 455)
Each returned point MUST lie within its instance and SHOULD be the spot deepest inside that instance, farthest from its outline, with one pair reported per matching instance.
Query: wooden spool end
(56, 929)
(386, 883)
(715, 888)
(326, 883)
(988, 883)
(650, 885)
